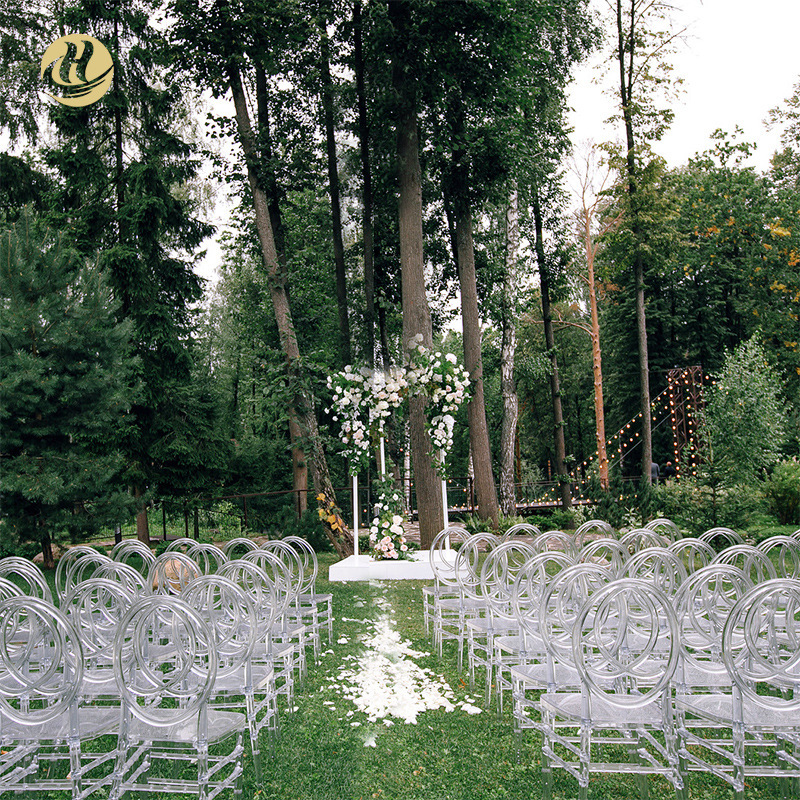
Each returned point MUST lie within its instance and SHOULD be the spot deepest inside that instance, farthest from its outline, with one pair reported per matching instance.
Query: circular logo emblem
(80, 64)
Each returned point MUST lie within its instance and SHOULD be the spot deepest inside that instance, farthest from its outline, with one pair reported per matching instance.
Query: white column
(444, 497)
(355, 515)
(383, 459)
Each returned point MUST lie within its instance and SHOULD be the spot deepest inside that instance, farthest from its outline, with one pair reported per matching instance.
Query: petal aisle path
(383, 680)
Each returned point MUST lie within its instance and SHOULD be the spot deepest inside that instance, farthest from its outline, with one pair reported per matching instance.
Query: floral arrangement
(351, 392)
(440, 377)
(386, 534)
(386, 392)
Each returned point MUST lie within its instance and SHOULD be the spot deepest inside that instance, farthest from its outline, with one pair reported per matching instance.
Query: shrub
(783, 492)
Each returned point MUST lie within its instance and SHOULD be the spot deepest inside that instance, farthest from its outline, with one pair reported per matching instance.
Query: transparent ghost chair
(27, 576)
(95, 607)
(441, 620)
(9, 589)
(721, 537)
(694, 552)
(555, 540)
(310, 598)
(207, 556)
(273, 662)
(562, 599)
(81, 568)
(606, 552)
(664, 527)
(236, 548)
(497, 575)
(796, 534)
(702, 605)
(125, 575)
(134, 553)
(593, 529)
(231, 614)
(659, 566)
(69, 556)
(753, 562)
(170, 740)
(786, 554)
(624, 703)
(522, 530)
(180, 545)
(44, 733)
(289, 635)
(469, 602)
(172, 572)
(761, 652)
(526, 644)
(642, 538)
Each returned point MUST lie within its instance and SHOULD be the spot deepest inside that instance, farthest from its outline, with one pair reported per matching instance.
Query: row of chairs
(173, 668)
(500, 596)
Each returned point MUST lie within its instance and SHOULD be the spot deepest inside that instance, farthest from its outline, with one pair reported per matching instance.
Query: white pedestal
(364, 568)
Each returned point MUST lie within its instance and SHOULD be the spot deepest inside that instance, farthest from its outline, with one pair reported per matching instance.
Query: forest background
(394, 169)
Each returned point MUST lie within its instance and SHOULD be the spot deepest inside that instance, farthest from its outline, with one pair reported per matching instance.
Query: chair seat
(221, 724)
(569, 705)
(92, 722)
(535, 676)
(719, 708)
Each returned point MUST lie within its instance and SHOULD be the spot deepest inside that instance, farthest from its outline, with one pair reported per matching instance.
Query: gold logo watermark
(82, 65)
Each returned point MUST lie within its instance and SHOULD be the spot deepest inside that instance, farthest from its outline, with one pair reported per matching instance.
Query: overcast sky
(739, 59)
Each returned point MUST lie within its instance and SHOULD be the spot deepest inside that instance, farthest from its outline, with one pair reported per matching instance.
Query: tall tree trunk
(333, 190)
(269, 182)
(142, 524)
(597, 359)
(508, 389)
(416, 312)
(342, 540)
(555, 389)
(476, 408)
(626, 78)
(366, 172)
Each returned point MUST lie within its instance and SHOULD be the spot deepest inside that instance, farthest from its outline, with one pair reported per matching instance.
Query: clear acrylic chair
(231, 614)
(172, 572)
(207, 556)
(498, 573)
(695, 553)
(27, 576)
(554, 670)
(80, 569)
(170, 740)
(555, 540)
(134, 553)
(606, 552)
(273, 662)
(521, 530)
(70, 555)
(94, 607)
(310, 598)
(440, 621)
(761, 652)
(664, 527)
(721, 537)
(753, 562)
(658, 566)
(624, 704)
(642, 538)
(44, 733)
(593, 529)
(786, 553)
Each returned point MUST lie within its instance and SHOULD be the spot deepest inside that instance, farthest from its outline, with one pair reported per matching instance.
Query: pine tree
(66, 389)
